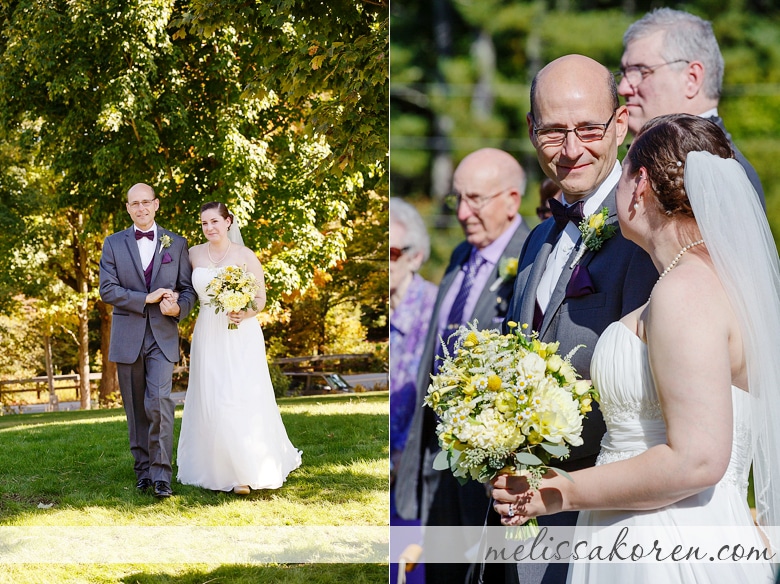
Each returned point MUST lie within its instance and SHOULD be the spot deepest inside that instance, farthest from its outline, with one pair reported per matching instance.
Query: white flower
(558, 416)
(532, 366)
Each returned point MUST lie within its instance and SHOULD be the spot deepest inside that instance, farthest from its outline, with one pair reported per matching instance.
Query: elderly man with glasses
(567, 292)
(672, 64)
(488, 186)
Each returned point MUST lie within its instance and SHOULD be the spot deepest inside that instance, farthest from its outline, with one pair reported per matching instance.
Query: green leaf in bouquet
(442, 461)
(557, 450)
(563, 473)
(528, 458)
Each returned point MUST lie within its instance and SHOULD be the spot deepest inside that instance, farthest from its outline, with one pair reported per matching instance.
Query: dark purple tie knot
(140, 234)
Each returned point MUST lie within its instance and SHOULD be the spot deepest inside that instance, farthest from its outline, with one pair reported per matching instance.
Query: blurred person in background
(547, 190)
(672, 64)
(411, 305)
(488, 186)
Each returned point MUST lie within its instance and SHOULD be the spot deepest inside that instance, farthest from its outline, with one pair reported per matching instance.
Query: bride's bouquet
(233, 289)
(506, 404)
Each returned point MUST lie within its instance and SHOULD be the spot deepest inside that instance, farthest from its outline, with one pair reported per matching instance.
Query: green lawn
(74, 469)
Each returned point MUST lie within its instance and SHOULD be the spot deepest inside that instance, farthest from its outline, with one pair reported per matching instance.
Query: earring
(636, 206)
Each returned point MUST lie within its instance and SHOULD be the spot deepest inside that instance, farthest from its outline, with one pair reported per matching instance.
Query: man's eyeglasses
(138, 204)
(586, 133)
(397, 252)
(635, 74)
(475, 202)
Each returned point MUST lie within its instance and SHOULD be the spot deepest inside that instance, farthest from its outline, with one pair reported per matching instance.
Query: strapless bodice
(631, 409)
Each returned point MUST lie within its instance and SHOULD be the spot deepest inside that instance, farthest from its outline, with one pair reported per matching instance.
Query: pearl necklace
(677, 258)
(208, 251)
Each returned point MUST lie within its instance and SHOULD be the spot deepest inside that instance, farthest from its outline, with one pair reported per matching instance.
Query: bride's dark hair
(221, 209)
(663, 145)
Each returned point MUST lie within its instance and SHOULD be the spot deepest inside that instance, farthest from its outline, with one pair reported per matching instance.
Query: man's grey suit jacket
(623, 276)
(122, 285)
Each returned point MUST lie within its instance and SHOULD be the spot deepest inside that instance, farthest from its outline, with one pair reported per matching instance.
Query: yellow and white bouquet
(233, 289)
(506, 404)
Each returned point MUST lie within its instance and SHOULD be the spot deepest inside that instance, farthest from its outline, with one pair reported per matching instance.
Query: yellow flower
(494, 382)
(472, 338)
(596, 221)
(585, 406)
(534, 437)
(511, 324)
(506, 402)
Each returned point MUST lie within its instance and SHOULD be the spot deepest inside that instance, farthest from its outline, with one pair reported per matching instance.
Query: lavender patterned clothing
(408, 328)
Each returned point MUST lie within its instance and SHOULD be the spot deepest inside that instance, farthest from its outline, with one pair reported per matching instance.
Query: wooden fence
(40, 384)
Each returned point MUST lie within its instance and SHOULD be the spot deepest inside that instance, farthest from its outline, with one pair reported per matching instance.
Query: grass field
(74, 470)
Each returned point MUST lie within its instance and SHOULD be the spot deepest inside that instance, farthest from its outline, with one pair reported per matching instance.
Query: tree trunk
(109, 382)
(441, 166)
(81, 263)
(484, 58)
(54, 402)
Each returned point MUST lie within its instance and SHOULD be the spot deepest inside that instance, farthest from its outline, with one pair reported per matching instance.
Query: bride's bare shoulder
(197, 253)
(248, 256)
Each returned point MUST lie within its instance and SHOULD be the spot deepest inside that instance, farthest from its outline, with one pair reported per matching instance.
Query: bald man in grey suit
(574, 304)
(145, 274)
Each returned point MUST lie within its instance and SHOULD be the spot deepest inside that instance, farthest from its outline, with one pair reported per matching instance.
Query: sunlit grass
(75, 469)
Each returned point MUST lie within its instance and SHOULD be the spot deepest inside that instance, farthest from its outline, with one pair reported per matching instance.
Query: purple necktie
(141, 234)
(455, 318)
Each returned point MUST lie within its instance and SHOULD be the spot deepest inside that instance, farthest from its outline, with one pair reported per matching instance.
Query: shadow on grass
(289, 574)
(81, 459)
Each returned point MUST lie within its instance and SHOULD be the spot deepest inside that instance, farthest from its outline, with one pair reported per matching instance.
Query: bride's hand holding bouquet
(507, 405)
(233, 290)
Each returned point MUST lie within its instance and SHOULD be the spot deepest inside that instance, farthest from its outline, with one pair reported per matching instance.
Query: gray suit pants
(146, 393)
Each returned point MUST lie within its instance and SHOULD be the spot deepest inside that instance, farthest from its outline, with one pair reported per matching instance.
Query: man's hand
(159, 294)
(169, 305)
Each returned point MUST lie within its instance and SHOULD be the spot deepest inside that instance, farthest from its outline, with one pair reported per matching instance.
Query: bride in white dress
(232, 436)
(689, 382)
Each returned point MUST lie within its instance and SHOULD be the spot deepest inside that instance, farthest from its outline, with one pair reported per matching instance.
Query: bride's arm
(253, 265)
(688, 329)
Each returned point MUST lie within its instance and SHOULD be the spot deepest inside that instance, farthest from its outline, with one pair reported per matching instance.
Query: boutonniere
(507, 270)
(165, 241)
(595, 232)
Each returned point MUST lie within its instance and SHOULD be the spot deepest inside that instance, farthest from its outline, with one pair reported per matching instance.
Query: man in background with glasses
(576, 124)
(672, 64)
(488, 186)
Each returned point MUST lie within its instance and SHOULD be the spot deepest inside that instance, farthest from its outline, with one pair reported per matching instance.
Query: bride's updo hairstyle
(663, 145)
(221, 209)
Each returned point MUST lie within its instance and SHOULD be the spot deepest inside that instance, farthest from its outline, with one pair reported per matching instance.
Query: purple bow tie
(563, 214)
(147, 234)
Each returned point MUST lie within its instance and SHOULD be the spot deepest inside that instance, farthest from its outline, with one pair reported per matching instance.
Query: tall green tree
(113, 93)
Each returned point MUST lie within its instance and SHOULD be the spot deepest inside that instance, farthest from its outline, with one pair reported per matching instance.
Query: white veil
(735, 229)
(234, 233)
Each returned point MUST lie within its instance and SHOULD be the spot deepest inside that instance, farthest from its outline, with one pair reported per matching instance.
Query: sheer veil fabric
(234, 233)
(737, 235)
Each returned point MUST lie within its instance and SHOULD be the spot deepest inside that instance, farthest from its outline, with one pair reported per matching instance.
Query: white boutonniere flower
(165, 242)
(507, 270)
(595, 232)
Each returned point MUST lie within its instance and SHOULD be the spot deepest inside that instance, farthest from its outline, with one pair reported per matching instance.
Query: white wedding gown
(632, 413)
(231, 432)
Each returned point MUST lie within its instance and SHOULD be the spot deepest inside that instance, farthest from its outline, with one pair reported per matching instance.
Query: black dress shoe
(144, 485)
(162, 489)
